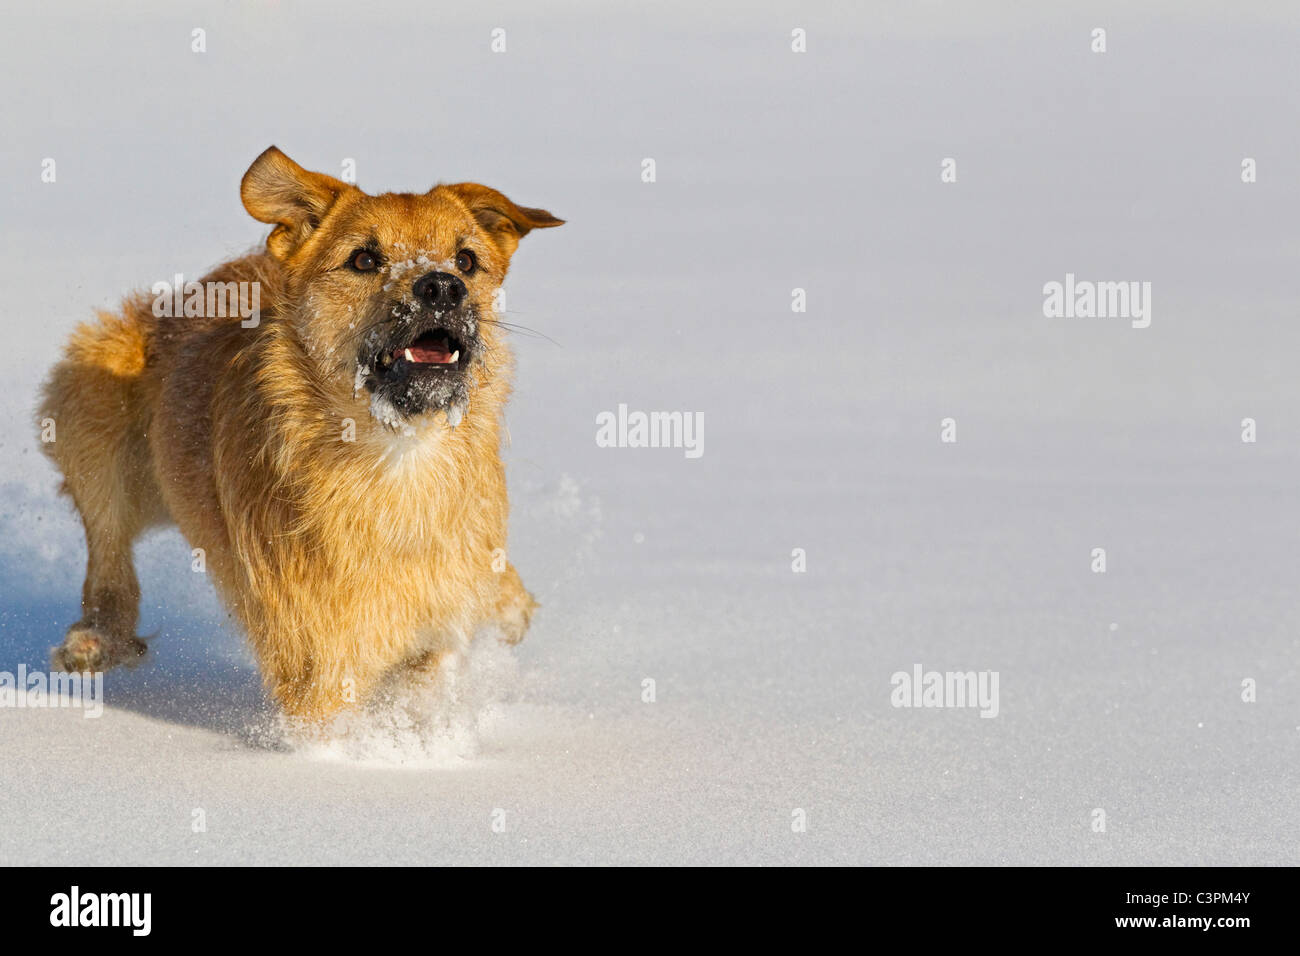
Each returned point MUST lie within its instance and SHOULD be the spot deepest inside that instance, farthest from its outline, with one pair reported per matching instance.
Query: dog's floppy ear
(506, 222)
(279, 191)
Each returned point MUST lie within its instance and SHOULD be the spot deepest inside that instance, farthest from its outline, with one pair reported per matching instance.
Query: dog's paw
(513, 617)
(87, 649)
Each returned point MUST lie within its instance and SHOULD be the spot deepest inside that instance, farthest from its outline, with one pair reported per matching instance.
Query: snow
(1119, 691)
(383, 411)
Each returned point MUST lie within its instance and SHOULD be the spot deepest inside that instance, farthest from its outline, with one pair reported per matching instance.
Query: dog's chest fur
(332, 520)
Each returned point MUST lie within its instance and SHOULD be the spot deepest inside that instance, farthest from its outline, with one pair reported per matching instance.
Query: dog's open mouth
(419, 370)
(433, 348)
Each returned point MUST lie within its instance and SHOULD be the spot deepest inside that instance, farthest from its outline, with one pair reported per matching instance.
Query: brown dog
(334, 461)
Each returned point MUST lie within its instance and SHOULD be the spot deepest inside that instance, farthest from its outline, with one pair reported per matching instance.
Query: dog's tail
(94, 410)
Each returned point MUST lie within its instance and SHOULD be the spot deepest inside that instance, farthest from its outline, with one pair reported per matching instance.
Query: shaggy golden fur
(343, 555)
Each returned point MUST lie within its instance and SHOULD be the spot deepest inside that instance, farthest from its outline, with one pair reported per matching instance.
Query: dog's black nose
(442, 290)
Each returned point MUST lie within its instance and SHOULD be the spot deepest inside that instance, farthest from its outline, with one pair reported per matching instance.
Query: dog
(334, 463)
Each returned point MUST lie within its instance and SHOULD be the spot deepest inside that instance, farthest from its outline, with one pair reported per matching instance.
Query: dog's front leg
(314, 681)
(515, 606)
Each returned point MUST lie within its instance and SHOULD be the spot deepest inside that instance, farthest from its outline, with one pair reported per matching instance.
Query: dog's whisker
(523, 329)
(358, 333)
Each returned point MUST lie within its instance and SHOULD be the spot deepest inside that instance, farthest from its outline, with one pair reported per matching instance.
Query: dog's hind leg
(110, 602)
(94, 400)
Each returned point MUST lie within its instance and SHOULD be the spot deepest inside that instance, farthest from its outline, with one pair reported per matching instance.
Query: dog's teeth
(454, 415)
(409, 356)
(455, 357)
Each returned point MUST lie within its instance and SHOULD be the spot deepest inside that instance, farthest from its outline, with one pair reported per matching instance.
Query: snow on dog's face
(391, 295)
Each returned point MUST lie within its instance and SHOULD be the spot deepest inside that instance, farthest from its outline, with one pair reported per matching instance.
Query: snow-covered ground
(1120, 692)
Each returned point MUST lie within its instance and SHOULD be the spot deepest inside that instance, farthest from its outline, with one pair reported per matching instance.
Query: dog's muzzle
(420, 361)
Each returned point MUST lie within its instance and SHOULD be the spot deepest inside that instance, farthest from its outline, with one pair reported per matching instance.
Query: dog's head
(391, 294)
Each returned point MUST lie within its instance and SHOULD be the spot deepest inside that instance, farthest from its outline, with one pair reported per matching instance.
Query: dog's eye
(364, 261)
(466, 262)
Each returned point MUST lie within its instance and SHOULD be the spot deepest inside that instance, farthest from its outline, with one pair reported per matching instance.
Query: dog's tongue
(428, 349)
